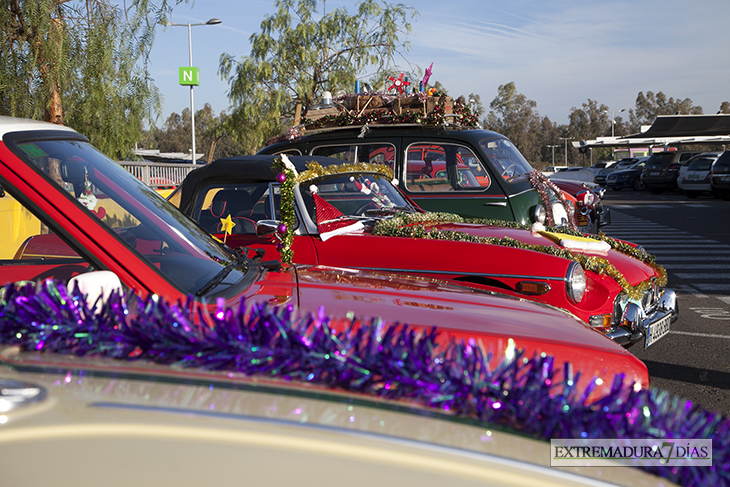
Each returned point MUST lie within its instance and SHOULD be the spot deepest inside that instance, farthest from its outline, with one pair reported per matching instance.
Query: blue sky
(558, 53)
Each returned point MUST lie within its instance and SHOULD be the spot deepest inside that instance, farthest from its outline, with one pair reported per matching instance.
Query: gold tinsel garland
(315, 170)
(413, 226)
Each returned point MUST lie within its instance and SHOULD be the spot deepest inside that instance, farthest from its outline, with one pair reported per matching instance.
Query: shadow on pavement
(692, 375)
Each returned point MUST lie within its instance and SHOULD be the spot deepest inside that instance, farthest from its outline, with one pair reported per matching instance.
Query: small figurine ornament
(398, 83)
(426, 77)
(227, 226)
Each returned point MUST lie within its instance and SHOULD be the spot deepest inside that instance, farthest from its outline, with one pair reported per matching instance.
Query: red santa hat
(330, 221)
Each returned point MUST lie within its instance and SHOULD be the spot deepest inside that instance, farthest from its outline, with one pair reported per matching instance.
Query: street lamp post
(566, 139)
(553, 148)
(193, 82)
(613, 118)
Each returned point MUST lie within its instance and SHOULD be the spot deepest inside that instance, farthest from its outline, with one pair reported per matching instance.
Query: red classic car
(590, 214)
(609, 284)
(94, 222)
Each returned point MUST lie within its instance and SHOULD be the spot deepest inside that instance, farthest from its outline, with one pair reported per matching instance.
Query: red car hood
(634, 270)
(462, 313)
(571, 187)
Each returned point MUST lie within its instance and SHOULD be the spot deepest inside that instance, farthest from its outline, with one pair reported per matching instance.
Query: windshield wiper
(389, 211)
(242, 262)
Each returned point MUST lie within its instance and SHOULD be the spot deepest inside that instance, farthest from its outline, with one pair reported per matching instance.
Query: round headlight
(618, 307)
(575, 282)
(560, 214)
(539, 214)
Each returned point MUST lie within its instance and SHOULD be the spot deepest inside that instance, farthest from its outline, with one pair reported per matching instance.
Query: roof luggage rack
(366, 110)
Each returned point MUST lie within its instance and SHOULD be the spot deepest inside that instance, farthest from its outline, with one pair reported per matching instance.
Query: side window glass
(372, 153)
(468, 162)
(29, 250)
(443, 168)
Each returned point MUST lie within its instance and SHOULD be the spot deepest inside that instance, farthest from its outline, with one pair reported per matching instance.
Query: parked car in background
(627, 178)
(351, 215)
(619, 166)
(662, 170)
(596, 168)
(694, 174)
(553, 169)
(720, 178)
(508, 187)
(575, 174)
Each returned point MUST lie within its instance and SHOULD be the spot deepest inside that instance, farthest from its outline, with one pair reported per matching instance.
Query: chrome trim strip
(16, 394)
(496, 203)
(523, 192)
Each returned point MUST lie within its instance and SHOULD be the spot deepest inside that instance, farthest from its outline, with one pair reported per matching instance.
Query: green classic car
(471, 172)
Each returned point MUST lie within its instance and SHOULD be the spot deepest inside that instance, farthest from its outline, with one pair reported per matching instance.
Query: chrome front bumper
(636, 325)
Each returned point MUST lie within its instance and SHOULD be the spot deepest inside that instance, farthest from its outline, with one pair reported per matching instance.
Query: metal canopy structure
(671, 130)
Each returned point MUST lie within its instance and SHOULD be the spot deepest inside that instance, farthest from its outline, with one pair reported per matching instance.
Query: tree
(649, 106)
(590, 122)
(210, 135)
(83, 64)
(301, 53)
(724, 107)
(474, 102)
(515, 116)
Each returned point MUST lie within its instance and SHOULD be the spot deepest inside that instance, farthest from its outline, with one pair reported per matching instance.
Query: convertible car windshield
(366, 195)
(159, 233)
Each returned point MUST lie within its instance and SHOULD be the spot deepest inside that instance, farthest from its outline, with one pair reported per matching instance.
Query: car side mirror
(267, 228)
(73, 171)
(95, 285)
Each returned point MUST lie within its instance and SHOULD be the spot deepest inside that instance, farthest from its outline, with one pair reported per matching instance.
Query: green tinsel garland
(413, 226)
(288, 215)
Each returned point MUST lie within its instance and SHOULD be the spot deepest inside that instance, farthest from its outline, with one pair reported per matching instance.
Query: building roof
(671, 130)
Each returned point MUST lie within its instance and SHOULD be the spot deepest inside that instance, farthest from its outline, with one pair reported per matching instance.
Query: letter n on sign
(189, 76)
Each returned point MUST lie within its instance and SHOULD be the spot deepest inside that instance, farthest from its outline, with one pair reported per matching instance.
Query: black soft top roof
(243, 168)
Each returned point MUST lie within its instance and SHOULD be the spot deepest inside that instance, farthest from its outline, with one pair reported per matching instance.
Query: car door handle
(496, 203)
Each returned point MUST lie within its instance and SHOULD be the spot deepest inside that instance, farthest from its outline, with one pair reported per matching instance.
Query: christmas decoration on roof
(398, 83)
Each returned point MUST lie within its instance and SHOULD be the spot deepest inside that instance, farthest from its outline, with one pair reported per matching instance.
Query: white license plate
(655, 173)
(724, 178)
(658, 330)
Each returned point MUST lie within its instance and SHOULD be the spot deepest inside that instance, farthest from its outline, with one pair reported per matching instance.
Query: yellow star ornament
(227, 226)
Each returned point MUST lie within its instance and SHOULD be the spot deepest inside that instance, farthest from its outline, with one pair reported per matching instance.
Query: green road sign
(189, 76)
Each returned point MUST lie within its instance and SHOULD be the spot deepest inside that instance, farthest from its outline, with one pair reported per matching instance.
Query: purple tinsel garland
(375, 358)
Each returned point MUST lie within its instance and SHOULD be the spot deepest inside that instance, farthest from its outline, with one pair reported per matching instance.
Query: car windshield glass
(506, 159)
(700, 165)
(660, 157)
(365, 196)
(160, 234)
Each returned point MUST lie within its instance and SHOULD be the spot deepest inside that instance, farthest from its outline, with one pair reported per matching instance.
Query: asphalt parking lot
(691, 239)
